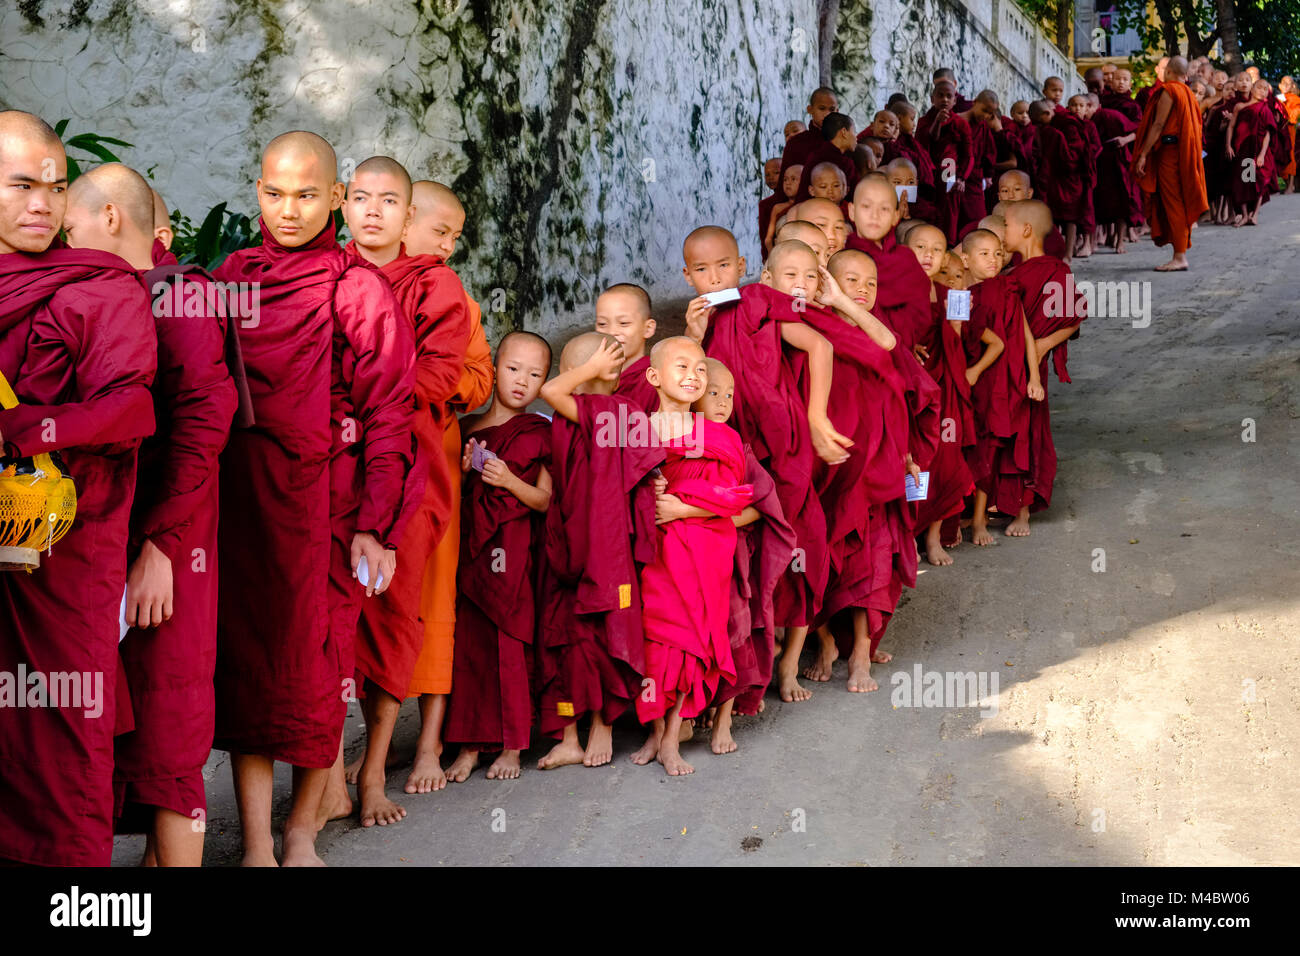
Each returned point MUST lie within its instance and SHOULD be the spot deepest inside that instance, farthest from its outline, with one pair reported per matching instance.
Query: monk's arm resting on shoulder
(1035, 389)
(832, 295)
(558, 392)
(830, 445)
(993, 347)
(537, 497)
(1163, 106)
(746, 517)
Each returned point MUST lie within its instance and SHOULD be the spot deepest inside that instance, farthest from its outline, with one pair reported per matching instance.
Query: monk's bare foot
(300, 849)
(1238, 221)
(935, 554)
(259, 856)
(687, 732)
(706, 719)
(673, 763)
(792, 690)
(860, 679)
(333, 806)
(505, 767)
(722, 742)
(1019, 528)
(648, 750)
(881, 657)
(426, 773)
(1119, 248)
(352, 771)
(564, 754)
(600, 746)
(979, 535)
(462, 766)
(820, 669)
(376, 808)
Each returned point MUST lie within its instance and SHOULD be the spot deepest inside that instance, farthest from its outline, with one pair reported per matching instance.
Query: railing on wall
(1021, 41)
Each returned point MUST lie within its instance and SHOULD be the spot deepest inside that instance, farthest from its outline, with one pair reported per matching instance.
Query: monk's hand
(606, 361)
(921, 352)
(1036, 392)
(367, 546)
(830, 445)
(698, 314)
(660, 485)
(497, 474)
(912, 468)
(1140, 165)
(972, 376)
(829, 292)
(467, 457)
(149, 588)
(667, 508)
(959, 185)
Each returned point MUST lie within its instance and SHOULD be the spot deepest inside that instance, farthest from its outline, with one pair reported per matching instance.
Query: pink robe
(78, 346)
(331, 369)
(686, 588)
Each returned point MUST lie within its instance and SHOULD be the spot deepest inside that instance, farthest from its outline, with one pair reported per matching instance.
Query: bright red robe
(390, 631)
(169, 668)
(599, 531)
(686, 589)
(331, 370)
(78, 346)
(772, 417)
(491, 703)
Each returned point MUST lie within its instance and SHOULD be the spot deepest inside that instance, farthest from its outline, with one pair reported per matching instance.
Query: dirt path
(1145, 714)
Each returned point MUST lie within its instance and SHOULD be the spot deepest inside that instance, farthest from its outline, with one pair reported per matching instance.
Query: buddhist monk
(1117, 201)
(333, 420)
(686, 587)
(623, 311)
(826, 216)
(599, 533)
(801, 145)
(984, 117)
(491, 704)
(838, 143)
(947, 137)
(1054, 92)
(162, 222)
(78, 350)
(1252, 129)
(792, 129)
(1168, 165)
(809, 234)
(1119, 96)
(1286, 88)
(390, 635)
(171, 592)
(828, 182)
(772, 173)
(436, 225)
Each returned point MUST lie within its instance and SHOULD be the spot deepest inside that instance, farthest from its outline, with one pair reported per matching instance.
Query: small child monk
(764, 543)
(599, 531)
(772, 173)
(491, 706)
(686, 588)
(828, 182)
(807, 233)
(826, 216)
(770, 208)
(623, 311)
(792, 129)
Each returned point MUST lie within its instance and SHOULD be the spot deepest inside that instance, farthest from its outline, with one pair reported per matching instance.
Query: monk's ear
(410, 214)
(1029, 193)
(652, 375)
(112, 219)
(337, 192)
(165, 235)
(744, 269)
(686, 274)
(650, 328)
(766, 278)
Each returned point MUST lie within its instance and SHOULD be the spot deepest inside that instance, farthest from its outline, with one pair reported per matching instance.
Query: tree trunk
(1168, 27)
(1228, 34)
(1064, 17)
(828, 15)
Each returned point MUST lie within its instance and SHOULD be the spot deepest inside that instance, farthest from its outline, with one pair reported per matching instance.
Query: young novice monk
(686, 588)
(436, 223)
(827, 217)
(903, 301)
(1040, 281)
(623, 311)
(599, 531)
(785, 429)
(764, 544)
(331, 370)
(491, 706)
(809, 234)
(777, 205)
(390, 634)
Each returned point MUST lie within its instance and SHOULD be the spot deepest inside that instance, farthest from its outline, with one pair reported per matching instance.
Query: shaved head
(719, 374)
(523, 339)
(1027, 214)
(33, 183)
(673, 345)
(161, 217)
(298, 190)
(119, 186)
(18, 125)
(976, 236)
(427, 193)
(711, 235)
(387, 166)
(436, 220)
(300, 144)
(582, 347)
(790, 247)
(1177, 67)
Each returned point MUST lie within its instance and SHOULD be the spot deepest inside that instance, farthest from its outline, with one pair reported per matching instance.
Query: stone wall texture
(585, 137)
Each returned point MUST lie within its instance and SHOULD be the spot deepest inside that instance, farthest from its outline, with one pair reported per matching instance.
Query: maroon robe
(633, 385)
(765, 207)
(331, 369)
(1122, 103)
(951, 151)
(772, 417)
(826, 153)
(1092, 145)
(1116, 198)
(169, 668)
(763, 550)
(1000, 460)
(973, 205)
(491, 705)
(1254, 122)
(78, 346)
(1219, 170)
(799, 147)
(903, 289)
(599, 531)
(390, 631)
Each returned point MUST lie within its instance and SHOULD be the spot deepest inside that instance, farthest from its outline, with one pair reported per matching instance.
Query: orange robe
(438, 595)
(1292, 107)
(1173, 185)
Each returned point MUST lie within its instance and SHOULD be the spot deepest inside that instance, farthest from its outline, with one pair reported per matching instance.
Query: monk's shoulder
(104, 296)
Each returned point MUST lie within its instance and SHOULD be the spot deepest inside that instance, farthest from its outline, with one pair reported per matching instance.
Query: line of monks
(395, 522)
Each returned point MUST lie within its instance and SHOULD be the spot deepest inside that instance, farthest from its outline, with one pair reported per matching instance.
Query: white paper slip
(950, 184)
(906, 192)
(121, 620)
(959, 305)
(722, 296)
(915, 491)
(363, 573)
